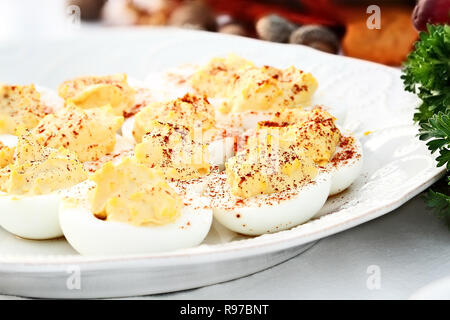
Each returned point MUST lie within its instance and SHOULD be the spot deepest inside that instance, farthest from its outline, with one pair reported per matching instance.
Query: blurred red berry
(431, 11)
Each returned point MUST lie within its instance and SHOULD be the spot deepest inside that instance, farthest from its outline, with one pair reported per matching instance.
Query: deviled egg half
(130, 209)
(244, 94)
(96, 91)
(190, 111)
(254, 198)
(336, 152)
(32, 185)
(24, 106)
(47, 162)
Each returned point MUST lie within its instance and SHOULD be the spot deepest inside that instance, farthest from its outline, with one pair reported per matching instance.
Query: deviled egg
(190, 111)
(32, 185)
(24, 106)
(255, 198)
(284, 173)
(130, 209)
(97, 91)
(245, 94)
(337, 153)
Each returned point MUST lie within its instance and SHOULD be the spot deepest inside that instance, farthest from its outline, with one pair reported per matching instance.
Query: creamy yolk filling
(172, 149)
(89, 133)
(215, 78)
(97, 91)
(133, 193)
(246, 87)
(190, 111)
(20, 106)
(283, 155)
(271, 173)
(40, 170)
(311, 132)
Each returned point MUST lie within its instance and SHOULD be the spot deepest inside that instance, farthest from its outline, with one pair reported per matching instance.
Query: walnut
(317, 37)
(274, 28)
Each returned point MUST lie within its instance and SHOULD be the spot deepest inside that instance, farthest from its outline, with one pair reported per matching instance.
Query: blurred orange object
(388, 45)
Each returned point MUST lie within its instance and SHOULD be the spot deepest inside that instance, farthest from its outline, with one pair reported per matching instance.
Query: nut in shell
(233, 28)
(316, 36)
(274, 28)
(193, 14)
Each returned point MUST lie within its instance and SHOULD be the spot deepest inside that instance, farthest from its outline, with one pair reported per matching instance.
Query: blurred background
(383, 31)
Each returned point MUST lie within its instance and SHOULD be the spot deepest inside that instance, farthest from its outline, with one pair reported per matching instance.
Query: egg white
(31, 217)
(50, 98)
(91, 236)
(343, 174)
(127, 129)
(238, 121)
(242, 121)
(220, 151)
(273, 212)
(8, 140)
(172, 83)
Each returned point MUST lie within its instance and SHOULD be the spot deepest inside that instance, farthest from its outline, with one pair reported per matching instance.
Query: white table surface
(409, 245)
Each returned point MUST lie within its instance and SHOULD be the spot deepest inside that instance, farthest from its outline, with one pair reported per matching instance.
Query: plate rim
(220, 254)
(8, 261)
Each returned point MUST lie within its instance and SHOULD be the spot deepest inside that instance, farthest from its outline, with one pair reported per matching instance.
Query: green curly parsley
(426, 73)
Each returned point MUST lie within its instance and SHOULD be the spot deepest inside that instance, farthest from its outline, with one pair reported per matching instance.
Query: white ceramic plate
(364, 96)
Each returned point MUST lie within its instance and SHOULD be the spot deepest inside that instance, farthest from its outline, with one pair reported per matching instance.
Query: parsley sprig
(426, 73)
